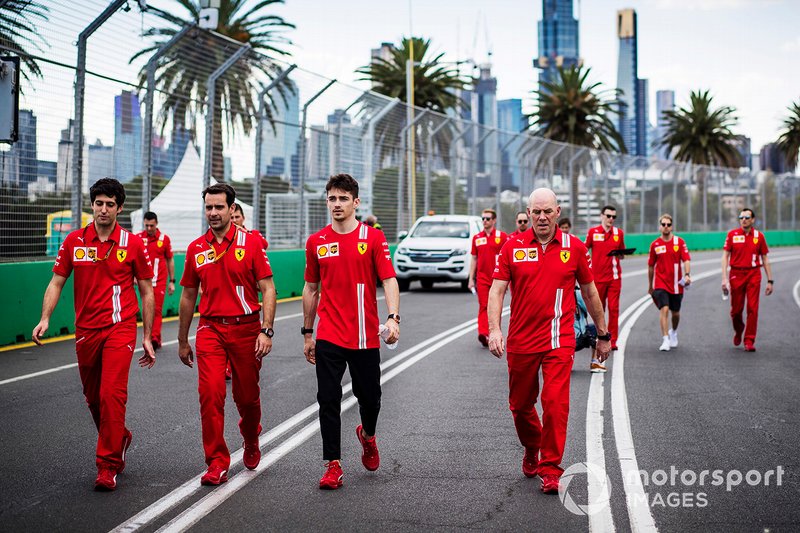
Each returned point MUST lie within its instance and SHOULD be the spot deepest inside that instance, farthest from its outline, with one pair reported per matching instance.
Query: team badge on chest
(239, 253)
(121, 255)
(362, 248)
(480, 242)
(738, 239)
(564, 256)
(328, 250)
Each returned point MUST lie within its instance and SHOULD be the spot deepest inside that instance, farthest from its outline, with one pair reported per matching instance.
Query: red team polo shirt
(159, 248)
(668, 257)
(261, 238)
(104, 273)
(345, 265)
(542, 290)
(604, 267)
(227, 272)
(746, 249)
(486, 247)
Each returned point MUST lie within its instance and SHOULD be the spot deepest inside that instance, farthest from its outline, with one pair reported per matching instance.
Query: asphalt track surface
(450, 459)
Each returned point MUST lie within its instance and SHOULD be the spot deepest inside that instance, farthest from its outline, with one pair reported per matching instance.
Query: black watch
(605, 337)
(306, 331)
(394, 317)
(268, 332)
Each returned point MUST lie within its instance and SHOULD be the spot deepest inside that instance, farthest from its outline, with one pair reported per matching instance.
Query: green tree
(789, 141)
(572, 110)
(20, 21)
(184, 71)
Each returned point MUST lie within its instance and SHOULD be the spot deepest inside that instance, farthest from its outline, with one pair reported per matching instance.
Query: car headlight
(458, 252)
(402, 251)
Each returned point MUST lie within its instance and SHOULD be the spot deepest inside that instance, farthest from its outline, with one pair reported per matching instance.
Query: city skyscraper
(510, 120)
(642, 118)
(665, 101)
(627, 79)
(127, 137)
(558, 39)
(280, 146)
(484, 112)
(19, 164)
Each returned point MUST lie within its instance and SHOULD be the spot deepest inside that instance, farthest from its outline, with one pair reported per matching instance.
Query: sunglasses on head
(744, 217)
(666, 224)
(611, 216)
(522, 221)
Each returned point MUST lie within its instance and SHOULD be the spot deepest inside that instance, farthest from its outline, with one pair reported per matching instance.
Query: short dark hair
(521, 213)
(752, 213)
(109, 187)
(221, 188)
(151, 216)
(566, 221)
(236, 207)
(609, 207)
(343, 182)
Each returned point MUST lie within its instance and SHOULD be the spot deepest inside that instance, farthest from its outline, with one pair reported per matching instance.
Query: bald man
(542, 264)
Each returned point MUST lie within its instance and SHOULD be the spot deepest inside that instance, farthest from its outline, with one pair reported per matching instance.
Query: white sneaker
(664, 344)
(673, 338)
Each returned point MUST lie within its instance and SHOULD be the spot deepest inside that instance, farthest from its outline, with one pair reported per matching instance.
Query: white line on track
(169, 501)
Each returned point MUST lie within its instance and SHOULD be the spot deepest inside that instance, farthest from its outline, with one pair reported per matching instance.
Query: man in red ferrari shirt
(486, 246)
(542, 272)
(746, 252)
(159, 248)
(105, 260)
(668, 270)
(232, 268)
(606, 268)
(522, 224)
(342, 261)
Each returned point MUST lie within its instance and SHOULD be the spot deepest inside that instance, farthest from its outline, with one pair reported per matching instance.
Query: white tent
(179, 205)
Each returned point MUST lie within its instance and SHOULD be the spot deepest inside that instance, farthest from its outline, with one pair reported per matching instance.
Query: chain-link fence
(152, 107)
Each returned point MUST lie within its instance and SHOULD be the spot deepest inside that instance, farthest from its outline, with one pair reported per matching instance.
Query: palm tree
(701, 134)
(19, 32)
(789, 141)
(574, 111)
(184, 71)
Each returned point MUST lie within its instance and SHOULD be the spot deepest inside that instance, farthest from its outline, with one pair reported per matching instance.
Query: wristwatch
(268, 332)
(394, 316)
(306, 331)
(605, 337)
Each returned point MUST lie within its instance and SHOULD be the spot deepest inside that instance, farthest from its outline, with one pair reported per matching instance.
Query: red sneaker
(370, 457)
(106, 479)
(215, 475)
(252, 455)
(550, 484)
(749, 347)
(737, 338)
(332, 479)
(530, 464)
(126, 443)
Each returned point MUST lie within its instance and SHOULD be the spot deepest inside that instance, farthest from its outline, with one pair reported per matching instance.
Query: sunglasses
(745, 218)
(487, 218)
(522, 221)
(666, 224)
(611, 216)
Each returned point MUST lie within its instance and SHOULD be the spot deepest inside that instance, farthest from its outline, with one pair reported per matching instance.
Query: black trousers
(365, 370)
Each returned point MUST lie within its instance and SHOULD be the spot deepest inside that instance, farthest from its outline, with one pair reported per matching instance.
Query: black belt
(241, 319)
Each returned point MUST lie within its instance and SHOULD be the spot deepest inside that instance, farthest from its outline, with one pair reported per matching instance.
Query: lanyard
(225, 251)
(108, 253)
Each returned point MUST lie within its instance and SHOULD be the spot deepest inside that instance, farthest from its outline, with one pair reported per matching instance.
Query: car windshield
(455, 230)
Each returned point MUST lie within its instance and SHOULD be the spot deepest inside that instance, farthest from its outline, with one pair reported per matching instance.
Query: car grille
(420, 256)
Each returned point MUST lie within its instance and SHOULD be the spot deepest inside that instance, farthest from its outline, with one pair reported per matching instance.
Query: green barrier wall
(23, 284)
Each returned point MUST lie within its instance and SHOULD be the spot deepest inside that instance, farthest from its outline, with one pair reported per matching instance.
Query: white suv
(438, 248)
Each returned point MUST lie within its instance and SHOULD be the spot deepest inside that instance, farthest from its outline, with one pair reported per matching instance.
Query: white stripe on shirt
(555, 326)
(243, 300)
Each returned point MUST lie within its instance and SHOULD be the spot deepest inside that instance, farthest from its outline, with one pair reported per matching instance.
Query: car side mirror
(402, 235)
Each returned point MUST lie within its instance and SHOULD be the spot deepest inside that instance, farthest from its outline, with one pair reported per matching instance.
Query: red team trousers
(104, 362)
(159, 292)
(482, 286)
(217, 346)
(745, 284)
(549, 435)
(609, 292)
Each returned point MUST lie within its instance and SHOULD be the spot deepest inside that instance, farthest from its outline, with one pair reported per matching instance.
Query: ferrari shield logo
(755, 240)
(239, 253)
(675, 248)
(160, 244)
(497, 240)
(564, 256)
(616, 238)
(362, 248)
(121, 255)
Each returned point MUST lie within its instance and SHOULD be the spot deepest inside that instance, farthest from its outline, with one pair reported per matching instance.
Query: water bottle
(725, 292)
(383, 331)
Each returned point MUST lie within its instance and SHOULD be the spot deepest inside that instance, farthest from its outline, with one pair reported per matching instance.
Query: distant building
(335, 147)
(665, 101)
(280, 143)
(64, 176)
(558, 39)
(98, 162)
(19, 164)
(743, 146)
(628, 81)
(484, 112)
(772, 159)
(510, 119)
(643, 141)
(127, 137)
